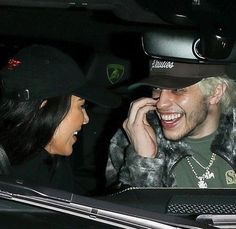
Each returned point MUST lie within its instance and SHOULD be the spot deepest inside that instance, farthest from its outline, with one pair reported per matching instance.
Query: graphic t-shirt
(192, 171)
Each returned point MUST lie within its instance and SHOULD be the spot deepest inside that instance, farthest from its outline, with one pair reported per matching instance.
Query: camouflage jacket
(126, 167)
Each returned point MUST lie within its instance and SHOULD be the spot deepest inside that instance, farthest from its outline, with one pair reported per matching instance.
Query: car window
(115, 45)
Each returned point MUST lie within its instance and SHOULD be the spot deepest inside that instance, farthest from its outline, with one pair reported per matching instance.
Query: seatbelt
(4, 162)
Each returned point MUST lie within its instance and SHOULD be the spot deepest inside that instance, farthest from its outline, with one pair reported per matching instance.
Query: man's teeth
(76, 132)
(170, 117)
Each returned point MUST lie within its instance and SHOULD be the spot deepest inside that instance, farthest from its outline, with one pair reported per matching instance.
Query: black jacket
(45, 170)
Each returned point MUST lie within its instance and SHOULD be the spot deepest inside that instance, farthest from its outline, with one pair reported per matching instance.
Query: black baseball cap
(172, 74)
(42, 72)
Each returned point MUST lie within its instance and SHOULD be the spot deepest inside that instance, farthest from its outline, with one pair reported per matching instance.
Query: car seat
(4, 162)
(90, 152)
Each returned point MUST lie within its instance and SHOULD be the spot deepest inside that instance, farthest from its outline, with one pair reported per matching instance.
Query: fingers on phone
(141, 107)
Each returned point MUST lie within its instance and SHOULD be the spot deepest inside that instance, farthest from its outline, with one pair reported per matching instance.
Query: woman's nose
(86, 117)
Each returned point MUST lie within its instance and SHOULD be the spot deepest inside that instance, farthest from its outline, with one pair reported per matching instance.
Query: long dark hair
(27, 127)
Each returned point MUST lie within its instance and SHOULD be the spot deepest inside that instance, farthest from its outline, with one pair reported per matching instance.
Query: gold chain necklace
(206, 175)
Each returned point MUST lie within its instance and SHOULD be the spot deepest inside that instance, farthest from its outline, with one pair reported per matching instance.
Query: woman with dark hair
(41, 111)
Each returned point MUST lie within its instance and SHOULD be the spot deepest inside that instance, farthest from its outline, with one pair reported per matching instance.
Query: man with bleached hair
(183, 135)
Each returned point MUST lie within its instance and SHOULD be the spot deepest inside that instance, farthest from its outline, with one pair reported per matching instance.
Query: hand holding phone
(138, 130)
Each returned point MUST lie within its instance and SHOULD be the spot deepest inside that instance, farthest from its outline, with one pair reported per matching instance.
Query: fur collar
(223, 145)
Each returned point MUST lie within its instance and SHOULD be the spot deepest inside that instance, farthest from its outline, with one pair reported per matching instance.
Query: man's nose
(165, 99)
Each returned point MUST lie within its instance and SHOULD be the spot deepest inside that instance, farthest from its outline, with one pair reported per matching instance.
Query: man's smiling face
(182, 112)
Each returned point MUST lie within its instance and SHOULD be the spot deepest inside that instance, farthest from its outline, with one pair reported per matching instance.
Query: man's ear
(43, 104)
(218, 93)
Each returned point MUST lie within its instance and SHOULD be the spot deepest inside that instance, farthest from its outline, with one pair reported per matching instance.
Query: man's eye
(156, 89)
(178, 91)
(156, 92)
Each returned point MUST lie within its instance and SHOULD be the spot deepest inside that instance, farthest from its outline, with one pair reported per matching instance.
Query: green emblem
(115, 72)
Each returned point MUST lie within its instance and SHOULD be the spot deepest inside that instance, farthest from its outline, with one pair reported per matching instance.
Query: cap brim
(164, 81)
(98, 95)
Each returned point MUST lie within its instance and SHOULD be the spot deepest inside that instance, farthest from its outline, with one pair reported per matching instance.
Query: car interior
(112, 41)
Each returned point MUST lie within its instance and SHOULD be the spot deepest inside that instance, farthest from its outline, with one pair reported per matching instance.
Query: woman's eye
(84, 106)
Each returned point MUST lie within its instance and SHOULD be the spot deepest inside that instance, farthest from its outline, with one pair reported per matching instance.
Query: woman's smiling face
(65, 135)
